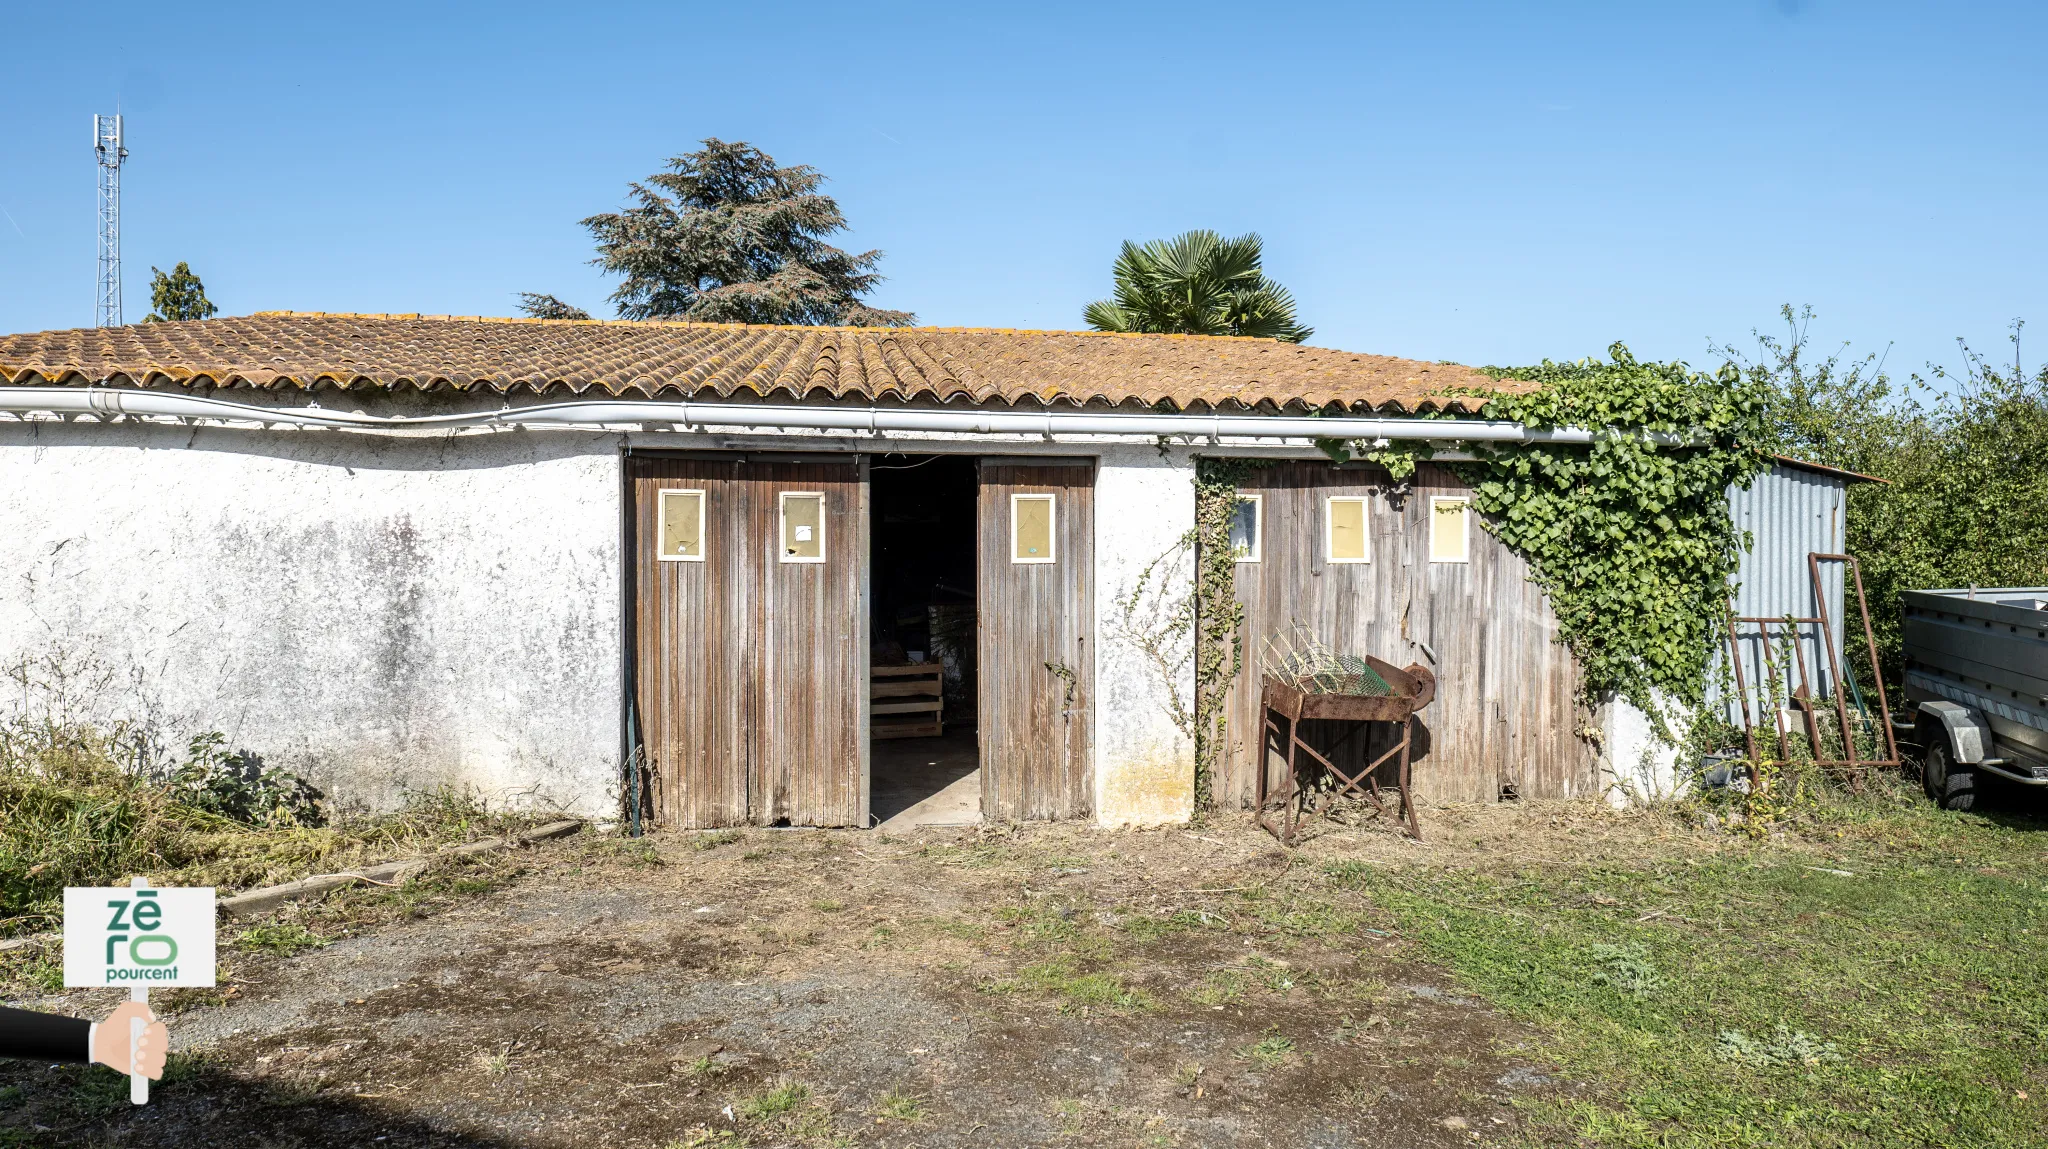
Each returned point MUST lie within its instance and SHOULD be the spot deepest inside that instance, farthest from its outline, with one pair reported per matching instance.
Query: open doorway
(923, 758)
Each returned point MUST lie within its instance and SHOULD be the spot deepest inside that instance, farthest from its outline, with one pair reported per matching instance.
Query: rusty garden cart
(1307, 684)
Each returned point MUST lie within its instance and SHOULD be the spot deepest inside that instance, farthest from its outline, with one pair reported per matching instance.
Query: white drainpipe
(108, 401)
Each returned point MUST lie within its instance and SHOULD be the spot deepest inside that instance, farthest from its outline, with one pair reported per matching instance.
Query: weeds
(1626, 968)
(281, 938)
(85, 806)
(896, 1105)
(1786, 1047)
(1269, 1052)
(788, 1113)
(1220, 987)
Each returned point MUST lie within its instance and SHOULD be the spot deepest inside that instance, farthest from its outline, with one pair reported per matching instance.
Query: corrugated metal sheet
(1790, 512)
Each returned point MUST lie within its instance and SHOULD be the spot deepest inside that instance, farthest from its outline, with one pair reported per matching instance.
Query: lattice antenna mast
(106, 142)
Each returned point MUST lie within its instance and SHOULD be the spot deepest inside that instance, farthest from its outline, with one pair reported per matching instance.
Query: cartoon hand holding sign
(137, 937)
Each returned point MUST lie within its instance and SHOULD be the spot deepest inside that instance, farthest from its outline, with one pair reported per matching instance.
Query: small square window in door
(1450, 529)
(1345, 530)
(682, 526)
(1032, 528)
(803, 527)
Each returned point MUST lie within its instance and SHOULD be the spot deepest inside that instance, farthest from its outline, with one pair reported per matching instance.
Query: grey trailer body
(1976, 677)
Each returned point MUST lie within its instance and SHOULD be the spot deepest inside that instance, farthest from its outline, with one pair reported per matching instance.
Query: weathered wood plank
(1505, 708)
(750, 671)
(1035, 621)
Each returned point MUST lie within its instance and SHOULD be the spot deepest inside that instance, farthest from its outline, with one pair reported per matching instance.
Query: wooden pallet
(907, 701)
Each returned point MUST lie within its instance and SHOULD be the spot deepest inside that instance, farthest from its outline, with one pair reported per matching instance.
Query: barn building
(753, 575)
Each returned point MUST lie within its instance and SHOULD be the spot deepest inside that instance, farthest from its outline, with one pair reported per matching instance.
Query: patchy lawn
(1533, 974)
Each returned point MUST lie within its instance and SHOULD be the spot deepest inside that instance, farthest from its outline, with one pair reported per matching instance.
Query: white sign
(138, 938)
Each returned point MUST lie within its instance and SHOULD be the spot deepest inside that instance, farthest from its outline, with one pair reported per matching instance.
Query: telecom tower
(106, 141)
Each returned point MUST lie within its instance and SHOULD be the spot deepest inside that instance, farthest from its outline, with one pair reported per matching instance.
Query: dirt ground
(949, 987)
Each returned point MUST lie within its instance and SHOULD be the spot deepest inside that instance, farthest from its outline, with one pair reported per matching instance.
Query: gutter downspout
(107, 402)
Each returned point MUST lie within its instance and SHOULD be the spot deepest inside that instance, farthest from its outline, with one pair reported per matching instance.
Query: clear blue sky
(1486, 183)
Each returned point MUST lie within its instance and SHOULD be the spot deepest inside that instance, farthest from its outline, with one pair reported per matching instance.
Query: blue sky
(1485, 183)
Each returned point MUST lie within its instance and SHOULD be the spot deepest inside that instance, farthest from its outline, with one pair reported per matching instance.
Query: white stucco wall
(386, 613)
(377, 613)
(1144, 670)
(1636, 763)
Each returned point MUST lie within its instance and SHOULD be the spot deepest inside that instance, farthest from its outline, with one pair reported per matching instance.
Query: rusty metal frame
(1416, 686)
(1801, 696)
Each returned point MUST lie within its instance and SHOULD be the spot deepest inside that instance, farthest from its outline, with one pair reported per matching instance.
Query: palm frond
(1197, 283)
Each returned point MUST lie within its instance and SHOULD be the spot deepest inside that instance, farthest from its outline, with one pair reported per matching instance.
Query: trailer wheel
(1953, 787)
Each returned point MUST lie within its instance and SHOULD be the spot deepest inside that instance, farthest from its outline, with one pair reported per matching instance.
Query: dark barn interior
(922, 710)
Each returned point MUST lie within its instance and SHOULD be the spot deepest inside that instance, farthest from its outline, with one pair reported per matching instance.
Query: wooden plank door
(748, 661)
(811, 611)
(1036, 608)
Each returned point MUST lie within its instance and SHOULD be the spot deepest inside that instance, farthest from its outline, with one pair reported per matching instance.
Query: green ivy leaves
(1632, 541)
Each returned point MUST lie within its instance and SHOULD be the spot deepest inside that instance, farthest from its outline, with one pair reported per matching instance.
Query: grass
(1269, 1052)
(787, 1112)
(1757, 997)
(713, 839)
(896, 1105)
(1075, 991)
(1219, 987)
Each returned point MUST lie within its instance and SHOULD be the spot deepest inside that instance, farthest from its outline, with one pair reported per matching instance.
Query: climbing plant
(1631, 538)
(1219, 617)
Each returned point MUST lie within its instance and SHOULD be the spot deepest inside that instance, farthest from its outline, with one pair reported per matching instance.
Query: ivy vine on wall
(1632, 540)
(1219, 617)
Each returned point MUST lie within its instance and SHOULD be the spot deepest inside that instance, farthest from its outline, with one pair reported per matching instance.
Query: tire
(1952, 785)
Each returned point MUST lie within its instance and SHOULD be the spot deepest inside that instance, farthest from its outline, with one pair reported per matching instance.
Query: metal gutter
(107, 402)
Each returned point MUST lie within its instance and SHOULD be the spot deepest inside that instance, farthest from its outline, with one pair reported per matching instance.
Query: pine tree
(177, 296)
(727, 236)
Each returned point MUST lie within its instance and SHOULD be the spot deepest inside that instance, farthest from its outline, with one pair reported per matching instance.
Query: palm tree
(1197, 283)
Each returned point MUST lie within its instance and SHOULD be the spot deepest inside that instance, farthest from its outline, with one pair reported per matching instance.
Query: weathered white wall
(1144, 670)
(376, 613)
(1637, 764)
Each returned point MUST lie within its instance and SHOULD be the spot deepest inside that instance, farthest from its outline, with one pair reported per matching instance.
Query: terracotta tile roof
(286, 350)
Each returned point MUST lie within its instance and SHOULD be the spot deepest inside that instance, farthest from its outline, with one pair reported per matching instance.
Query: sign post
(141, 938)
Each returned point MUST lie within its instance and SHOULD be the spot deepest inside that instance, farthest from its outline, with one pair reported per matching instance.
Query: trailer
(1976, 680)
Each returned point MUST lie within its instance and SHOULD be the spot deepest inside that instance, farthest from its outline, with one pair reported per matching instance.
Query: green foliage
(83, 805)
(1269, 1052)
(1197, 283)
(1786, 1047)
(240, 787)
(177, 296)
(1625, 968)
(541, 306)
(727, 236)
(1964, 456)
(1632, 540)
